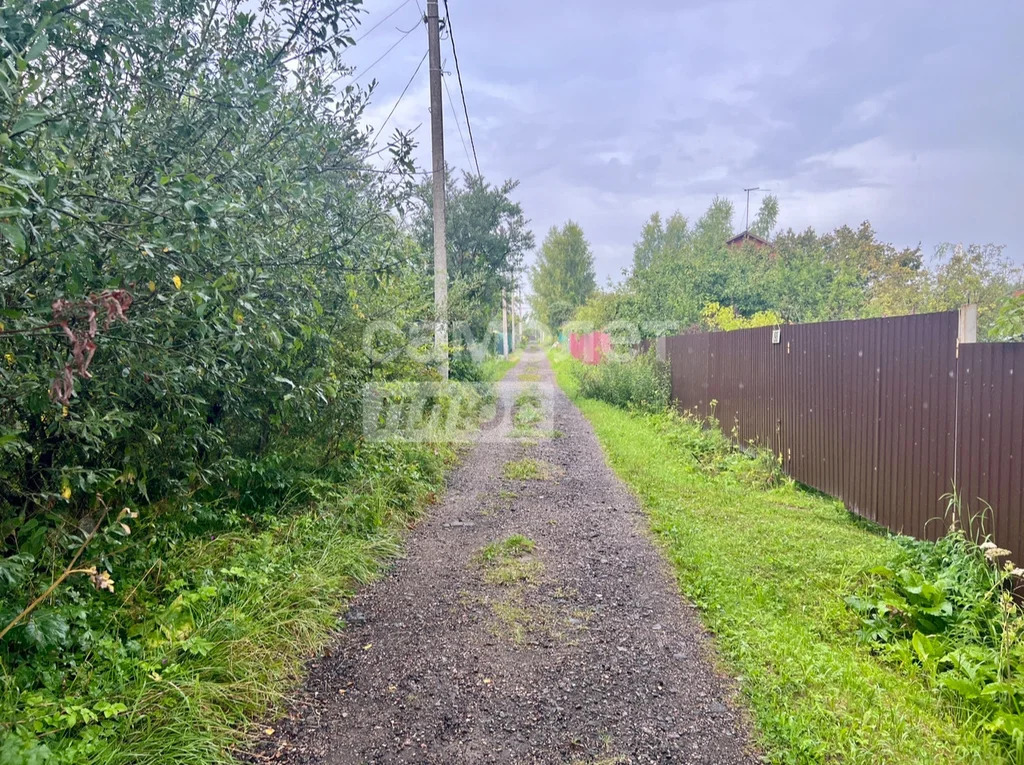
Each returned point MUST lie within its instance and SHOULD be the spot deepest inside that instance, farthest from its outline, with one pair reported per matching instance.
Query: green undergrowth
(768, 565)
(945, 610)
(641, 383)
(494, 368)
(210, 619)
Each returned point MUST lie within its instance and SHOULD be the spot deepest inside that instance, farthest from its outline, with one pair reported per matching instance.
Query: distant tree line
(685, 274)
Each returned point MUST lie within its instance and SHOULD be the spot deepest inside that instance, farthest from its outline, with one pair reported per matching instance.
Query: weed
(514, 571)
(514, 619)
(508, 561)
(528, 469)
(642, 383)
(947, 610)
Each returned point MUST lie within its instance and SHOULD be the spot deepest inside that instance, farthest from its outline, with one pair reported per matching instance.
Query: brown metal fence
(880, 413)
(990, 438)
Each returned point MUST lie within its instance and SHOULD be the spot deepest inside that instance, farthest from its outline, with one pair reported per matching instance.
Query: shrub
(641, 383)
(947, 608)
(191, 247)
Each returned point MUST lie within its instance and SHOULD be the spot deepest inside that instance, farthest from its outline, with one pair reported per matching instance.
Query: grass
(509, 561)
(768, 569)
(528, 469)
(494, 368)
(527, 414)
(222, 627)
(514, 620)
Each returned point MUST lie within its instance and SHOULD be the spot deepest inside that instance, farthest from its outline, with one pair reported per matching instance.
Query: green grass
(514, 546)
(510, 562)
(768, 570)
(222, 627)
(494, 368)
(526, 415)
(527, 469)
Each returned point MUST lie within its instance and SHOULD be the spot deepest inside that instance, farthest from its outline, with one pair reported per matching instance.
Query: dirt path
(577, 651)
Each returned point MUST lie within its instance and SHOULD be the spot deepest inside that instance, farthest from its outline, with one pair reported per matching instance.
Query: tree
(767, 217)
(652, 240)
(487, 240)
(974, 274)
(563, 277)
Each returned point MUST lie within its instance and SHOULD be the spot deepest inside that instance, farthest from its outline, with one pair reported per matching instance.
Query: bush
(947, 609)
(641, 383)
(191, 247)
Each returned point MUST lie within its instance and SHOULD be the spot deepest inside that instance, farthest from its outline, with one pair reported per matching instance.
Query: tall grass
(215, 632)
(641, 383)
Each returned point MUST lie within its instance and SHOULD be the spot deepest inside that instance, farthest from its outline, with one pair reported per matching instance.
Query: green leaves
(563, 277)
(14, 237)
(46, 629)
(213, 183)
(943, 608)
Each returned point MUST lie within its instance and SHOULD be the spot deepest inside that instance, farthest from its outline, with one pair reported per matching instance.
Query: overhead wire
(368, 31)
(384, 55)
(380, 130)
(455, 116)
(462, 90)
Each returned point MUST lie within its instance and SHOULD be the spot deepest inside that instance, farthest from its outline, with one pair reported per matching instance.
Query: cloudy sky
(908, 114)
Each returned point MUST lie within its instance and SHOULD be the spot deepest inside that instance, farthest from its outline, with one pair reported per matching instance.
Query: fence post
(968, 328)
(660, 348)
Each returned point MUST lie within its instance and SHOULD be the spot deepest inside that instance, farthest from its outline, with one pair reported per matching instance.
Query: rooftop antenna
(746, 225)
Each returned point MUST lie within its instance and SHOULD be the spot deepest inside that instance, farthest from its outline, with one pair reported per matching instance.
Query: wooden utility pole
(437, 150)
(504, 325)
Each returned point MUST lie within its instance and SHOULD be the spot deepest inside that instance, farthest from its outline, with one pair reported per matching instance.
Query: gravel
(596, 658)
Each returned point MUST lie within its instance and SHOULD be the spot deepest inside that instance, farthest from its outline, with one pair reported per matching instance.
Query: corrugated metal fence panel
(688, 357)
(863, 410)
(990, 454)
(590, 347)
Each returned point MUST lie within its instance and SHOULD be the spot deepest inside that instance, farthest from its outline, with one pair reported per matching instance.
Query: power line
(455, 115)
(367, 32)
(380, 131)
(356, 79)
(458, 72)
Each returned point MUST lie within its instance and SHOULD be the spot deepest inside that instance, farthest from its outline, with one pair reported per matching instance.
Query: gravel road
(579, 651)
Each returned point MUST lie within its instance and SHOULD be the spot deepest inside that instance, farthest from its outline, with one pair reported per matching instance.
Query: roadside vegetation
(495, 367)
(642, 385)
(848, 644)
(193, 247)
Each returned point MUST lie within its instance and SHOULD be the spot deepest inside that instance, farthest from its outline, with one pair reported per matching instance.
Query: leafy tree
(715, 316)
(767, 217)
(1008, 324)
(563, 277)
(806, 276)
(191, 247)
(487, 239)
(652, 241)
(973, 274)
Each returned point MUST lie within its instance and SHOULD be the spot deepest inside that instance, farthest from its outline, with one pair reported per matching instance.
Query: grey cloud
(908, 113)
